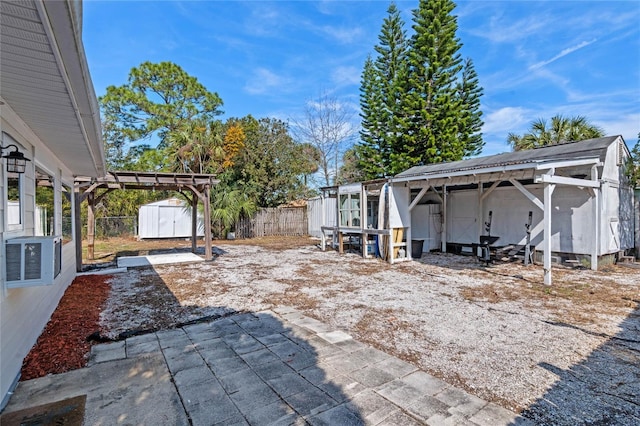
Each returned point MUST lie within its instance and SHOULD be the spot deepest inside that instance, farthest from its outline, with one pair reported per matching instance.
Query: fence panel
(283, 221)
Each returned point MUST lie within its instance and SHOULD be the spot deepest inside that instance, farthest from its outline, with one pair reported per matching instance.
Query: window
(14, 190)
(15, 199)
(350, 210)
(67, 214)
(45, 204)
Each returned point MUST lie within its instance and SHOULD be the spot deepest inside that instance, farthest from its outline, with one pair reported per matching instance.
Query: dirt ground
(564, 354)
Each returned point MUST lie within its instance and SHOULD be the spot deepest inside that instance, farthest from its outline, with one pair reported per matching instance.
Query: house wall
(24, 312)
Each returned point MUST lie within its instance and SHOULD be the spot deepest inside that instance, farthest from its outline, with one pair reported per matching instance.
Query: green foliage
(158, 99)
(227, 206)
(383, 83)
(270, 169)
(257, 161)
(350, 171)
(561, 129)
(633, 165)
(420, 102)
(469, 93)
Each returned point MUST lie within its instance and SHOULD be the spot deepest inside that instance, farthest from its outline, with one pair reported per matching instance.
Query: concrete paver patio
(273, 367)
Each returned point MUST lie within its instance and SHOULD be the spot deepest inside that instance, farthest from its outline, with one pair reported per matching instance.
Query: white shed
(170, 218)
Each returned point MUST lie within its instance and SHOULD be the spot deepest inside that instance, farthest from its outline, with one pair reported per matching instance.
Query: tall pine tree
(372, 146)
(382, 84)
(430, 98)
(431, 107)
(469, 92)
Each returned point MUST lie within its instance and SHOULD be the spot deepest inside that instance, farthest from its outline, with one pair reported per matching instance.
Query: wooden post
(194, 222)
(548, 191)
(91, 226)
(443, 231)
(323, 218)
(595, 208)
(77, 227)
(208, 254)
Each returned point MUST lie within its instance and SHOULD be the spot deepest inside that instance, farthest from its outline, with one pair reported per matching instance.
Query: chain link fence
(116, 226)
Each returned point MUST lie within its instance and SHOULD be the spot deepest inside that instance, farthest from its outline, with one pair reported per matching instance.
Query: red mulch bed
(63, 344)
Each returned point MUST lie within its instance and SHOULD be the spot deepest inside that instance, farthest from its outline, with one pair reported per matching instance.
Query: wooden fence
(287, 221)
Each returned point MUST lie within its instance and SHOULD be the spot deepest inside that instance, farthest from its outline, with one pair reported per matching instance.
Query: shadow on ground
(604, 389)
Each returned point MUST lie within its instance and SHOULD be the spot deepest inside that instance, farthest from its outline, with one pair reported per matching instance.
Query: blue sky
(534, 59)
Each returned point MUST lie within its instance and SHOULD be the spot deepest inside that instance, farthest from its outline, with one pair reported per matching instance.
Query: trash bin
(416, 248)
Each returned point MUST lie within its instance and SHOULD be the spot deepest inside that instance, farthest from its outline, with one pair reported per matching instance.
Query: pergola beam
(198, 184)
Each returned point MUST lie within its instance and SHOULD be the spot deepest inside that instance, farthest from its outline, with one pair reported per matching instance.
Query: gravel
(565, 354)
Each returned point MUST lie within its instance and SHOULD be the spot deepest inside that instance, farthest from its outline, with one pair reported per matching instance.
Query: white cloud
(627, 125)
(345, 76)
(343, 35)
(263, 81)
(505, 120)
(564, 52)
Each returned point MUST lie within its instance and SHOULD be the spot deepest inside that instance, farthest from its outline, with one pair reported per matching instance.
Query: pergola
(198, 184)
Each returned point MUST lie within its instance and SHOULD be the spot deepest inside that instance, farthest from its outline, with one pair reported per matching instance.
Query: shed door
(166, 221)
(462, 212)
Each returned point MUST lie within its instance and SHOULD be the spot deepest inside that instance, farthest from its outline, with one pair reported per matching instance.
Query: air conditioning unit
(32, 261)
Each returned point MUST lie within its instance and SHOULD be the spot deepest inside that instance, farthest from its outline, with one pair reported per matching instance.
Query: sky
(269, 59)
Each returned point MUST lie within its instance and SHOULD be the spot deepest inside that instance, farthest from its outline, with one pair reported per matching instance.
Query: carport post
(443, 231)
(548, 191)
(194, 222)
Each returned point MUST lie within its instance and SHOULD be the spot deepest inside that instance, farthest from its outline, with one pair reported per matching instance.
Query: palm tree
(228, 206)
(196, 147)
(562, 129)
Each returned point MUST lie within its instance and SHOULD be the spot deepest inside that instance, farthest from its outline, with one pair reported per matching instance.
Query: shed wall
(165, 220)
(314, 215)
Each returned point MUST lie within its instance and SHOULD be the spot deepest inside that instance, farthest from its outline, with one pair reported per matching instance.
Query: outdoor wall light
(16, 161)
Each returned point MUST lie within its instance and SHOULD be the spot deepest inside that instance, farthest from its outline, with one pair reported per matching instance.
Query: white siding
(462, 217)
(169, 218)
(426, 223)
(314, 215)
(24, 312)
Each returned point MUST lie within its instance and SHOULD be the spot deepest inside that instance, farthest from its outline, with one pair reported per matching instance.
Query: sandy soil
(565, 354)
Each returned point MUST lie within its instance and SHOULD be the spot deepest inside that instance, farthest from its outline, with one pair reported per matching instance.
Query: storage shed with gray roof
(570, 201)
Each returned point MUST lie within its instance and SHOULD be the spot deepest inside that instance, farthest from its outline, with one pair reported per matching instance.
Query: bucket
(416, 248)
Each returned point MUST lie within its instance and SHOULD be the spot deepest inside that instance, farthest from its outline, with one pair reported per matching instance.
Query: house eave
(45, 80)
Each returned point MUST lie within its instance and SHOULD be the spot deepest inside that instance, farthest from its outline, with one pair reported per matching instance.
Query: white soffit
(39, 89)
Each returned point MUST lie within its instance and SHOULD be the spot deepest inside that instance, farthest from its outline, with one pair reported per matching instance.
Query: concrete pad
(372, 407)
(335, 336)
(107, 352)
(106, 271)
(494, 415)
(310, 402)
(129, 390)
(427, 406)
(341, 415)
(142, 345)
(220, 373)
(157, 259)
(461, 402)
(372, 376)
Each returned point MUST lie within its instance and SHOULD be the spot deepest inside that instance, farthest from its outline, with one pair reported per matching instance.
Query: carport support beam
(548, 191)
(208, 255)
(443, 235)
(91, 226)
(194, 222)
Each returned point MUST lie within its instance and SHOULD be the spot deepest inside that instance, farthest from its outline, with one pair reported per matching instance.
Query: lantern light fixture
(16, 161)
